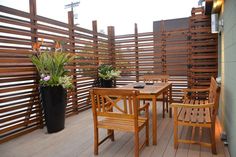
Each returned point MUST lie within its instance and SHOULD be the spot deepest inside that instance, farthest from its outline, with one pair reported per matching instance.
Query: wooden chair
(155, 78)
(197, 112)
(118, 109)
(164, 96)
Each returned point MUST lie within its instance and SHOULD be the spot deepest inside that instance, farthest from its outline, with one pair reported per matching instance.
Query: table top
(155, 88)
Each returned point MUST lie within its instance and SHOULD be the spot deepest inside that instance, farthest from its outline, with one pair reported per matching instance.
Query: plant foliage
(51, 67)
(108, 72)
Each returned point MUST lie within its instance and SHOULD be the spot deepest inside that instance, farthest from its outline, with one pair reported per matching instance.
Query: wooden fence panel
(20, 110)
(135, 55)
(175, 50)
(166, 52)
(204, 57)
(20, 107)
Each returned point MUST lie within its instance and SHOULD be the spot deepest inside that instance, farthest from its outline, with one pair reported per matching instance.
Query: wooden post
(95, 44)
(163, 47)
(71, 31)
(111, 47)
(33, 13)
(136, 52)
(155, 53)
(34, 39)
(189, 36)
(72, 50)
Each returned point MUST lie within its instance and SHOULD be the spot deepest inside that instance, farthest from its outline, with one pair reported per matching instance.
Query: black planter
(106, 83)
(54, 104)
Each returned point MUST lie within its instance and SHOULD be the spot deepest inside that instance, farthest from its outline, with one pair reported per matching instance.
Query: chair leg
(170, 112)
(147, 133)
(213, 141)
(111, 134)
(175, 136)
(136, 144)
(95, 141)
(167, 103)
(175, 129)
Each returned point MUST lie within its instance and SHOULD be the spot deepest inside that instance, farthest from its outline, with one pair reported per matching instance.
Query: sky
(122, 14)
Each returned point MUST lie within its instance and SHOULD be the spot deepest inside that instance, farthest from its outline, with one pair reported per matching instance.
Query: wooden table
(152, 92)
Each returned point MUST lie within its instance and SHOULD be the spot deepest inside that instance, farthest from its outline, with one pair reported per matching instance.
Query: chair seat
(195, 115)
(121, 124)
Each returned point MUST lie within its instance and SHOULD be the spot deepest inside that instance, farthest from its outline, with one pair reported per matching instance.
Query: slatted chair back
(115, 103)
(119, 109)
(155, 78)
(164, 97)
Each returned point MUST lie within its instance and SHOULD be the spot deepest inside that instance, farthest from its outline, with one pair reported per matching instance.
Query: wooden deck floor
(76, 140)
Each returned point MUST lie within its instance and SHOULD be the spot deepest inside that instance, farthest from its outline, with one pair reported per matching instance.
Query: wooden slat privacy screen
(204, 56)
(20, 110)
(188, 55)
(179, 53)
(150, 53)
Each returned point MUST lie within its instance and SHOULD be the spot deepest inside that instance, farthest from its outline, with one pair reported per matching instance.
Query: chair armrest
(144, 107)
(176, 105)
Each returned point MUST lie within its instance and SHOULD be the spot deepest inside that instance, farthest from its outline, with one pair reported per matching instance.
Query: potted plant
(54, 80)
(107, 73)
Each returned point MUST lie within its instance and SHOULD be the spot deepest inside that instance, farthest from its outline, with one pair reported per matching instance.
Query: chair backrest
(214, 94)
(155, 78)
(112, 102)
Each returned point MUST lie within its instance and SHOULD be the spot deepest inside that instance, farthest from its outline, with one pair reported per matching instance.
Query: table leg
(154, 121)
(163, 105)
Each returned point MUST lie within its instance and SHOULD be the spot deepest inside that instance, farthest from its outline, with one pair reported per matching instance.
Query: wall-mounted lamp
(217, 24)
(214, 23)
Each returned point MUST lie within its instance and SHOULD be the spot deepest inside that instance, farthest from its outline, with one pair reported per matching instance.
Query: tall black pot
(106, 83)
(54, 104)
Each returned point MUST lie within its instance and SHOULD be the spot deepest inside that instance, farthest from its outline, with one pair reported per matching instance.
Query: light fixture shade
(217, 4)
(214, 23)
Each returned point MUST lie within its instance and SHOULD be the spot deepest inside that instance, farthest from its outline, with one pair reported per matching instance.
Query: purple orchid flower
(46, 78)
